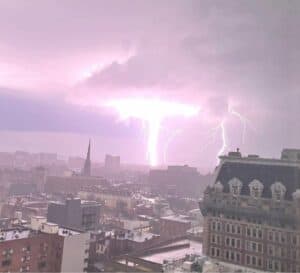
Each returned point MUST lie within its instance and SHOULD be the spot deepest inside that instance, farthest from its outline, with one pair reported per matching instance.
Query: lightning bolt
(168, 142)
(223, 138)
(153, 112)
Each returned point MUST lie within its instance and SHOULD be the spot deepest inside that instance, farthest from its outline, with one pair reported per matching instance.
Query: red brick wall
(44, 253)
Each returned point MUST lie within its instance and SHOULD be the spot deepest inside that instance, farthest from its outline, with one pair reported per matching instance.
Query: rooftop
(177, 218)
(267, 174)
(176, 254)
(14, 234)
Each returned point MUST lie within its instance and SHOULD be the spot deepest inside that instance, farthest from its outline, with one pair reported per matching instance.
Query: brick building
(26, 250)
(252, 213)
(44, 247)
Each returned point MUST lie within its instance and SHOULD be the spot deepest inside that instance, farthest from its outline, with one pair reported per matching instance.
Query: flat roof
(175, 254)
(177, 218)
(14, 234)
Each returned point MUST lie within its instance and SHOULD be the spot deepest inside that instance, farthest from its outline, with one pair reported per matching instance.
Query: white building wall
(75, 253)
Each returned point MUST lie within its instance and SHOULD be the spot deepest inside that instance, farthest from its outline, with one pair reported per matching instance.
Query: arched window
(278, 191)
(235, 186)
(256, 188)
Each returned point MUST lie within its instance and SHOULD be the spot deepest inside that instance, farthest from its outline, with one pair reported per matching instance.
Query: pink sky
(80, 54)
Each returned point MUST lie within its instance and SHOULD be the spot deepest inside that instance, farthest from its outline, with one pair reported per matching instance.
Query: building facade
(43, 247)
(252, 213)
(171, 227)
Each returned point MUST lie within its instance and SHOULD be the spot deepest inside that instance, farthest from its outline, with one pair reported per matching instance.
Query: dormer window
(218, 187)
(278, 191)
(256, 188)
(235, 186)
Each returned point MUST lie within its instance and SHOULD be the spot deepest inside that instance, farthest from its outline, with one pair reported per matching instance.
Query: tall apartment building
(43, 247)
(252, 213)
(75, 214)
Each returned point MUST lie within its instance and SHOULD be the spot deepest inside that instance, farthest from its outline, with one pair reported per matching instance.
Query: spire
(87, 164)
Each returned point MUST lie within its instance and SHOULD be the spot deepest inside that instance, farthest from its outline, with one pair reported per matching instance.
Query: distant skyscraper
(87, 164)
(112, 163)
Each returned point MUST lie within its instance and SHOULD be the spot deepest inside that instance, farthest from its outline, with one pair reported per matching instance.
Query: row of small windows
(229, 255)
(251, 246)
(282, 252)
(232, 242)
(256, 188)
(229, 228)
(254, 232)
(280, 237)
(254, 261)
(254, 247)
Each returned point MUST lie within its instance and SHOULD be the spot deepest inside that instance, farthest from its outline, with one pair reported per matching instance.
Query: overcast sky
(60, 61)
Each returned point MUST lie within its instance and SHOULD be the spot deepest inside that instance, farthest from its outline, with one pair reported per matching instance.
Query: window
(218, 239)
(238, 257)
(235, 186)
(6, 262)
(259, 248)
(233, 228)
(270, 236)
(232, 242)
(212, 251)
(270, 264)
(232, 256)
(253, 260)
(41, 264)
(256, 189)
(227, 254)
(248, 245)
(270, 250)
(219, 226)
(227, 241)
(259, 263)
(248, 259)
(214, 225)
(248, 232)
(238, 243)
(227, 228)
(218, 252)
(254, 247)
(213, 238)
(254, 232)
(238, 229)
(259, 234)
(278, 191)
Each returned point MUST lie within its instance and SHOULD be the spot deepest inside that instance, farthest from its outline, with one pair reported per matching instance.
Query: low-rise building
(43, 247)
(173, 226)
(75, 213)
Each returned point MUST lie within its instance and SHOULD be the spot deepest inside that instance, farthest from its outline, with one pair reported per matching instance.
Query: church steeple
(87, 164)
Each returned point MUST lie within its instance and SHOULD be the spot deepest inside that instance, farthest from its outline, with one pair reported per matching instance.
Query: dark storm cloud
(27, 114)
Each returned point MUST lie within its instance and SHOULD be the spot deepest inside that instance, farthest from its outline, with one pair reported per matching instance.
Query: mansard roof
(267, 174)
